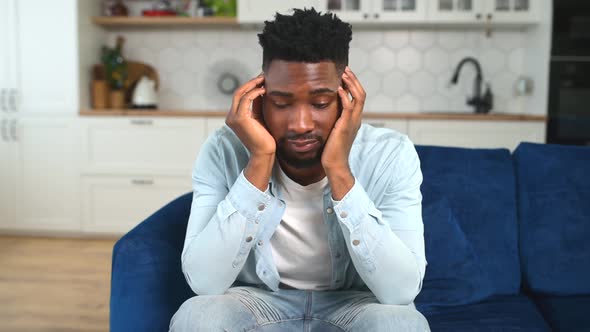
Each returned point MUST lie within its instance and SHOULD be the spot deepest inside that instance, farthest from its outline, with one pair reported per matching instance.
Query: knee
(379, 317)
(210, 312)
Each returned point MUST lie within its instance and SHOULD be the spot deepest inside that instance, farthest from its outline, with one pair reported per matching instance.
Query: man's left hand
(337, 148)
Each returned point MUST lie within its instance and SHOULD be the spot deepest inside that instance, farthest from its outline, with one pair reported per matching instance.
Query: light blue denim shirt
(375, 233)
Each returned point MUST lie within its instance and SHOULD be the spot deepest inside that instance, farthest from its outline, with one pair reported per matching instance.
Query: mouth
(302, 146)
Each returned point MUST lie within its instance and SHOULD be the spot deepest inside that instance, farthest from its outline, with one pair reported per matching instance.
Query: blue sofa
(507, 243)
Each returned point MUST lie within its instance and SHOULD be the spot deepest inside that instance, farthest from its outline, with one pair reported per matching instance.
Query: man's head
(304, 56)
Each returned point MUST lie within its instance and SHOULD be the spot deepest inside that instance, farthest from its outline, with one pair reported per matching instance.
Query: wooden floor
(54, 284)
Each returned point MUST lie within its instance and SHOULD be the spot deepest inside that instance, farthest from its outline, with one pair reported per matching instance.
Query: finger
(357, 92)
(245, 105)
(354, 80)
(241, 91)
(346, 103)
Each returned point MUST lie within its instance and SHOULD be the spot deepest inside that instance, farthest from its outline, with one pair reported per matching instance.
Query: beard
(292, 159)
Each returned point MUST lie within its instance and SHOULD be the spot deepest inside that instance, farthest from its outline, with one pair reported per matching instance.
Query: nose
(301, 120)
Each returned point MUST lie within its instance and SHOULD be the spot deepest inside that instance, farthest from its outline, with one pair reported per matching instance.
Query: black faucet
(482, 104)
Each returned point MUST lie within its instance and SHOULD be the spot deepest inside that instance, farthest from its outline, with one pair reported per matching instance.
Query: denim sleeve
(224, 223)
(386, 244)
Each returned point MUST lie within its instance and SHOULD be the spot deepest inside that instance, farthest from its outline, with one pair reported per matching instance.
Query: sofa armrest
(147, 283)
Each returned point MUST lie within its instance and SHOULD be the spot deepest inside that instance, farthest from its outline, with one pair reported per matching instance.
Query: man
(302, 218)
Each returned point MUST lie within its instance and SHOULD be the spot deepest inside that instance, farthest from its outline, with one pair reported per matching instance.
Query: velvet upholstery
(565, 313)
(554, 217)
(479, 185)
(499, 313)
(147, 284)
(454, 274)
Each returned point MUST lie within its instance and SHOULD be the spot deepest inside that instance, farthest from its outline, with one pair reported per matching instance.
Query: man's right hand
(245, 119)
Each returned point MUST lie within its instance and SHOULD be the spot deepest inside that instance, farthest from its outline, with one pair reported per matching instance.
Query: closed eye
(321, 105)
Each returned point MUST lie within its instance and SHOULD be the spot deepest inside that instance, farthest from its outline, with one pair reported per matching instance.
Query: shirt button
(261, 207)
(256, 221)
(249, 239)
(260, 242)
(343, 214)
(356, 242)
(329, 210)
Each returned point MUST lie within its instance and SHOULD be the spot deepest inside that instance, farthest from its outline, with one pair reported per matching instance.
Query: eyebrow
(289, 94)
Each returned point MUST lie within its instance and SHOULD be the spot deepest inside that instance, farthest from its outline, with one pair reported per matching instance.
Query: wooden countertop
(367, 115)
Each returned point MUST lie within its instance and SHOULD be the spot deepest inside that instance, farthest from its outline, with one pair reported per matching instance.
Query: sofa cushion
(565, 313)
(499, 313)
(479, 186)
(554, 217)
(454, 274)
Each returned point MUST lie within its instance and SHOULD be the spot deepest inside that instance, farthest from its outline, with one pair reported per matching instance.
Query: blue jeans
(254, 309)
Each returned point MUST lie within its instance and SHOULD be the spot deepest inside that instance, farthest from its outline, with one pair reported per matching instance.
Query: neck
(303, 176)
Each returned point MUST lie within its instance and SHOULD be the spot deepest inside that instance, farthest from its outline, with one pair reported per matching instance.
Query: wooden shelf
(366, 115)
(163, 21)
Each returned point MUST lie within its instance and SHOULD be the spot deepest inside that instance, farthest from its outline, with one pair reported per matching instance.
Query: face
(300, 108)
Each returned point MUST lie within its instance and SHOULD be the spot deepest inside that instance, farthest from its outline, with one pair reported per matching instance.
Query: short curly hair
(306, 36)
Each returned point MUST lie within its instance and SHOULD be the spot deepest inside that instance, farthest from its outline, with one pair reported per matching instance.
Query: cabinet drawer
(116, 204)
(142, 145)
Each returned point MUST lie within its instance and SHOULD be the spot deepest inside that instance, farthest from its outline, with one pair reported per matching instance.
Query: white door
(7, 57)
(392, 11)
(351, 11)
(456, 11)
(47, 56)
(8, 173)
(48, 197)
(515, 11)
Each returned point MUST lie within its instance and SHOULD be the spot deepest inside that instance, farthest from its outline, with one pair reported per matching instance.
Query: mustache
(308, 136)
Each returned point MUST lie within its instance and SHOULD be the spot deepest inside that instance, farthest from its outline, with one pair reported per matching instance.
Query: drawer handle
(142, 182)
(142, 122)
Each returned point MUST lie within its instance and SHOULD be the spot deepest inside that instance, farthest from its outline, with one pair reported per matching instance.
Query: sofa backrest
(554, 217)
(478, 186)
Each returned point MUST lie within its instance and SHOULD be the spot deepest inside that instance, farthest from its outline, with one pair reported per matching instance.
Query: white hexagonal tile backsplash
(402, 70)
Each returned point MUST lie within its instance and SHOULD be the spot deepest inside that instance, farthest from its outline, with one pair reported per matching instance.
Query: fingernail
(347, 68)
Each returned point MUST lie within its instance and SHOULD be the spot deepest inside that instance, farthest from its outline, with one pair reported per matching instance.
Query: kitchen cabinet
(378, 11)
(38, 58)
(476, 134)
(115, 204)
(483, 11)
(397, 125)
(131, 167)
(39, 173)
(141, 145)
(514, 11)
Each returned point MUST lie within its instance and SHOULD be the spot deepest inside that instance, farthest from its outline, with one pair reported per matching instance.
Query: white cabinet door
(47, 189)
(456, 11)
(7, 57)
(351, 11)
(397, 125)
(214, 123)
(46, 34)
(258, 11)
(514, 11)
(392, 11)
(476, 134)
(8, 174)
(142, 145)
(116, 204)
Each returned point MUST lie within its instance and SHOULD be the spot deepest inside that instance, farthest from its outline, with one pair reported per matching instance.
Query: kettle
(144, 95)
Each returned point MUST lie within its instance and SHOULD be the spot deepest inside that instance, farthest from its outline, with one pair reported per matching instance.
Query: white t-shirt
(300, 243)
